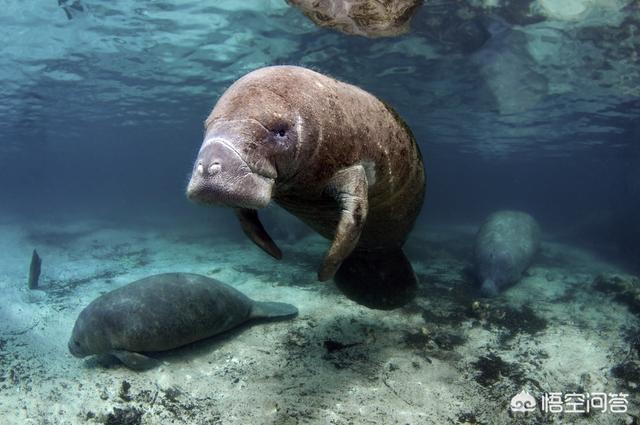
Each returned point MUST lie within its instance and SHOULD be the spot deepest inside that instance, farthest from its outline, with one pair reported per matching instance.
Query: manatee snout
(221, 176)
(75, 349)
(80, 342)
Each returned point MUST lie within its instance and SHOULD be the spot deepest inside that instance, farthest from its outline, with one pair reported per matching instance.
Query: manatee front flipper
(135, 361)
(255, 231)
(489, 288)
(382, 280)
(349, 188)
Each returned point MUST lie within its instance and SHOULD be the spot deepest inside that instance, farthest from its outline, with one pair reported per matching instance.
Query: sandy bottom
(447, 357)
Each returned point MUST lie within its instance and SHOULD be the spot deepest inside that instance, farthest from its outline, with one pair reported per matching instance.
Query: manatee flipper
(255, 231)
(489, 288)
(135, 361)
(382, 280)
(349, 188)
(272, 310)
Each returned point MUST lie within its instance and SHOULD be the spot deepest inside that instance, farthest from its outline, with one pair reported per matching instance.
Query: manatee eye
(281, 131)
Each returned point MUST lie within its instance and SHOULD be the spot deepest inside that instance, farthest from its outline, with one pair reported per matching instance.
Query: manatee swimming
(163, 312)
(504, 248)
(328, 152)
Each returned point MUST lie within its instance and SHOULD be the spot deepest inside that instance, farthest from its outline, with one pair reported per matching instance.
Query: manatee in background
(369, 18)
(510, 70)
(331, 154)
(162, 312)
(505, 247)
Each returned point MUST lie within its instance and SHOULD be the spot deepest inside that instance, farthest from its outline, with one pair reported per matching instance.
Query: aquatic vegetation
(491, 368)
(625, 289)
(127, 416)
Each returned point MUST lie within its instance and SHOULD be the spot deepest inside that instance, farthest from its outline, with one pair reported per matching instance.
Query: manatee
(331, 154)
(504, 248)
(163, 312)
(508, 69)
(368, 18)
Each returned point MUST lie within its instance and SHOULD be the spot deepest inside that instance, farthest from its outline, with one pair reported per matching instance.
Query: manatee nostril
(200, 168)
(214, 167)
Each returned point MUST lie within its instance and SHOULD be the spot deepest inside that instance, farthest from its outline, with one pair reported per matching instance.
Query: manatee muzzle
(75, 349)
(221, 176)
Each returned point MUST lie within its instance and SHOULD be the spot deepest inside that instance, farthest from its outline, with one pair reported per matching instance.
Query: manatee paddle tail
(381, 280)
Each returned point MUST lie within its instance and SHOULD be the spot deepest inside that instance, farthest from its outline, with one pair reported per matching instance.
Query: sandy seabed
(447, 357)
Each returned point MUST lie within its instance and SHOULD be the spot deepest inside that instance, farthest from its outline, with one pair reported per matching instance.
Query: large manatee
(331, 154)
(505, 247)
(162, 312)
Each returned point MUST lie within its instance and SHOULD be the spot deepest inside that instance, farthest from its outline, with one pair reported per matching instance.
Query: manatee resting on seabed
(331, 154)
(369, 18)
(504, 248)
(163, 312)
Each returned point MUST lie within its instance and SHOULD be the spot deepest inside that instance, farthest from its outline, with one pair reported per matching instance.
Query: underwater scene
(320, 212)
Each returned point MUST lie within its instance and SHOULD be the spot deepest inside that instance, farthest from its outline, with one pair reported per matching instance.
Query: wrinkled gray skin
(505, 247)
(163, 312)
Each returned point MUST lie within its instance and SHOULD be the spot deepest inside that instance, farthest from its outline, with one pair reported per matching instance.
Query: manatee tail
(383, 280)
(272, 310)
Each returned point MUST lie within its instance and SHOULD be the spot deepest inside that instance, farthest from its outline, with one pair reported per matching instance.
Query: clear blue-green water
(528, 105)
